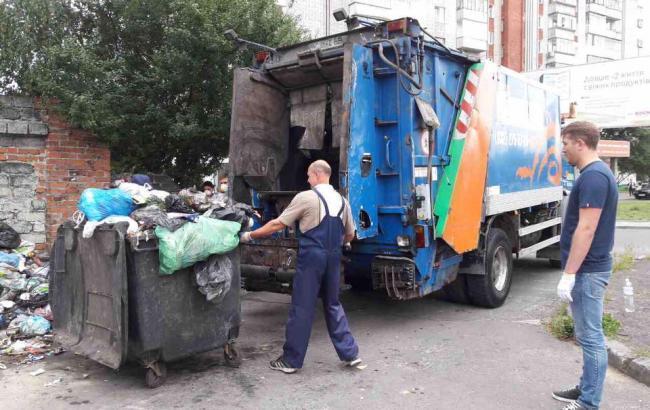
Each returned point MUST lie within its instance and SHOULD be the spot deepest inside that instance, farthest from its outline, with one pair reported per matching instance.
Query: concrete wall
(44, 166)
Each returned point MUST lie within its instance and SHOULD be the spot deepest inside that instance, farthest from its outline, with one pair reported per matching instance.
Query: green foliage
(611, 326)
(639, 161)
(561, 324)
(623, 261)
(635, 210)
(150, 77)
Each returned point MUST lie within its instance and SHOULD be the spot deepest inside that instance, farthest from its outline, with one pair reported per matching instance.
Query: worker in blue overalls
(325, 223)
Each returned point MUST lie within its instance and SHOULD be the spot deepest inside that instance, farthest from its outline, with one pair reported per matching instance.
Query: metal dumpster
(111, 304)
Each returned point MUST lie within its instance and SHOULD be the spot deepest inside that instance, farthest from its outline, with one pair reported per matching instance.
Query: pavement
(423, 353)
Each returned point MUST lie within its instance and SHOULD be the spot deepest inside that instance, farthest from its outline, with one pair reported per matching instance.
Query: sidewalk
(629, 351)
(633, 225)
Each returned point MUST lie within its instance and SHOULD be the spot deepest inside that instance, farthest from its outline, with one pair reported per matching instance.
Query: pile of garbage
(25, 314)
(191, 226)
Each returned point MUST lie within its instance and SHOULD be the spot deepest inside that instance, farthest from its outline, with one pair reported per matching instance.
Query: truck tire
(491, 289)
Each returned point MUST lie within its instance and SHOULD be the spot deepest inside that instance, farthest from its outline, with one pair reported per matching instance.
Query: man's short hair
(320, 166)
(586, 131)
(207, 184)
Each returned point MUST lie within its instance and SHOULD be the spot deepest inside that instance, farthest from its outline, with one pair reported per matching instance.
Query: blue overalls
(318, 272)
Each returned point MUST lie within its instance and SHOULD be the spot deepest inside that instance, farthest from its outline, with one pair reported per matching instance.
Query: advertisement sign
(612, 94)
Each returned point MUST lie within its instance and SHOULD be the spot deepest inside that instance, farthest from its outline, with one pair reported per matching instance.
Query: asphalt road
(420, 354)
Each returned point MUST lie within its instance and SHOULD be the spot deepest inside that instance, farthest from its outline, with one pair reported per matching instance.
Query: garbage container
(111, 304)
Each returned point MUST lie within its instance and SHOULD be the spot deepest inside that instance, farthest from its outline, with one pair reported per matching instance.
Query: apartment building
(524, 35)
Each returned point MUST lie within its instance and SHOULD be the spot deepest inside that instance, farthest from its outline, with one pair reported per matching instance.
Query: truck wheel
(490, 290)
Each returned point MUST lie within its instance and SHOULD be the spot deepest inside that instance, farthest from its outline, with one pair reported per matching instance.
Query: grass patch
(636, 210)
(623, 261)
(561, 324)
(642, 352)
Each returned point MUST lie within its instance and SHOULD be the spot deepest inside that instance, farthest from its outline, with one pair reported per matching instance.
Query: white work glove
(565, 286)
(245, 237)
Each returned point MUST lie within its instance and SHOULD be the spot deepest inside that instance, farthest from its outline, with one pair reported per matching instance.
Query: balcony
(606, 53)
(560, 32)
(604, 31)
(573, 3)
(471, 45)
(616, 14)
(554, 59)
(555, 8)
(471, 15)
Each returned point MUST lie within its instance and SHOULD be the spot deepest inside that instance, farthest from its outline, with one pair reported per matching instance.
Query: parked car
(643, 192)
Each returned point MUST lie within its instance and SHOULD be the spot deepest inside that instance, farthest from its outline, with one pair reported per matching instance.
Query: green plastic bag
(194, 242)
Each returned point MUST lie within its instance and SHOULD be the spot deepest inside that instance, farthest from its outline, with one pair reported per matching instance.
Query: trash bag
(11, 259)
(175, 203)
(140, 179)
(241, 213)
(214, 277)
(151, 216)
(140, 194)
(195, 242)
(90, 226)
(199, 201)
(98, 204)
(35, 325)
(9, 238)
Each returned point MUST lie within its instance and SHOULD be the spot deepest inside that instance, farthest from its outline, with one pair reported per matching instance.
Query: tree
(152, 78)
(639, 161)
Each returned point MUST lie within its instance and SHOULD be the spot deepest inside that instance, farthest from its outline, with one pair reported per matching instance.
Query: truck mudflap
(396, 275)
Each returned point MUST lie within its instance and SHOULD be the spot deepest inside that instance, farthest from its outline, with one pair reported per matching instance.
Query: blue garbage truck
(452, 166)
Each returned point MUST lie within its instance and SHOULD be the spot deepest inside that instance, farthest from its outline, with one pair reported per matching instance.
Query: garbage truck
(452, 166)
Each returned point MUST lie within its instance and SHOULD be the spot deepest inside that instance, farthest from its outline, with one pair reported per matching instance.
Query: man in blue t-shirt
(586, 244)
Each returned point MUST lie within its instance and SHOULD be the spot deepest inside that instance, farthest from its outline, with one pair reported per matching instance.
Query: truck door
(359, 179)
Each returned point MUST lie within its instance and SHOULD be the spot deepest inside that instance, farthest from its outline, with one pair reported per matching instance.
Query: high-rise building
(524, 35)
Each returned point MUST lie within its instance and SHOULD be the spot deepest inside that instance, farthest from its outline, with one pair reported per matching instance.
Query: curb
(632, 225)
(621, 358)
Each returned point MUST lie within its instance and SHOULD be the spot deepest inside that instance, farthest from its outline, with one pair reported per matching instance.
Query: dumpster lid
(100, 290)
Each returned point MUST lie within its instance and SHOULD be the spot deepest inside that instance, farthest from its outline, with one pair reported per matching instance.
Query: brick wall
(44, 166)
(513, 34)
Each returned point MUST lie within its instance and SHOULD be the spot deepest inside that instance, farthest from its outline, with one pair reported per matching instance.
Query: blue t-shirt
(595, 188)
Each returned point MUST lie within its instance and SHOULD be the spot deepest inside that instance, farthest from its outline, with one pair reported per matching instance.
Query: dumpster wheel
(156, 374)
(231, 355)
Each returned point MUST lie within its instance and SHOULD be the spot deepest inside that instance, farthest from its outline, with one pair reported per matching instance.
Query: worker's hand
(565, 286)
(245, 237)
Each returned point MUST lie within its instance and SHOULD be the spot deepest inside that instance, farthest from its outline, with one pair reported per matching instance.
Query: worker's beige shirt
(307, 208)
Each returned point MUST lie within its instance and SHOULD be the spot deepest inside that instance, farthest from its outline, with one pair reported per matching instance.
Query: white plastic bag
(89, 228)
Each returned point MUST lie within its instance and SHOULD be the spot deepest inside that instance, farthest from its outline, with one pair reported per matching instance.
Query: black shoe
(574, 405)
(281, 365)
(568, 396)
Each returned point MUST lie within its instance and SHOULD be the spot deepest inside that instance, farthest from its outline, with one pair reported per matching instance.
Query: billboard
(612, 94)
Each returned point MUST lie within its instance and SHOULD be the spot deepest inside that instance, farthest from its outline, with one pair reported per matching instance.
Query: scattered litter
(53, 382)
(3, 366)
(85, 376)
(37, 372)
(35, 325)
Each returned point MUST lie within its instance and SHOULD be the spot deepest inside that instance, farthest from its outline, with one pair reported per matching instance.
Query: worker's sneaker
(569, 395)
(574, 405)
(281, 365)
(354, 362)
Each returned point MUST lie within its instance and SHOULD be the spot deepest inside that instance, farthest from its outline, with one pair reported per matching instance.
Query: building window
(639, 23)
(491, 37)
(476, 5)
(639, 43)
(440, 15)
